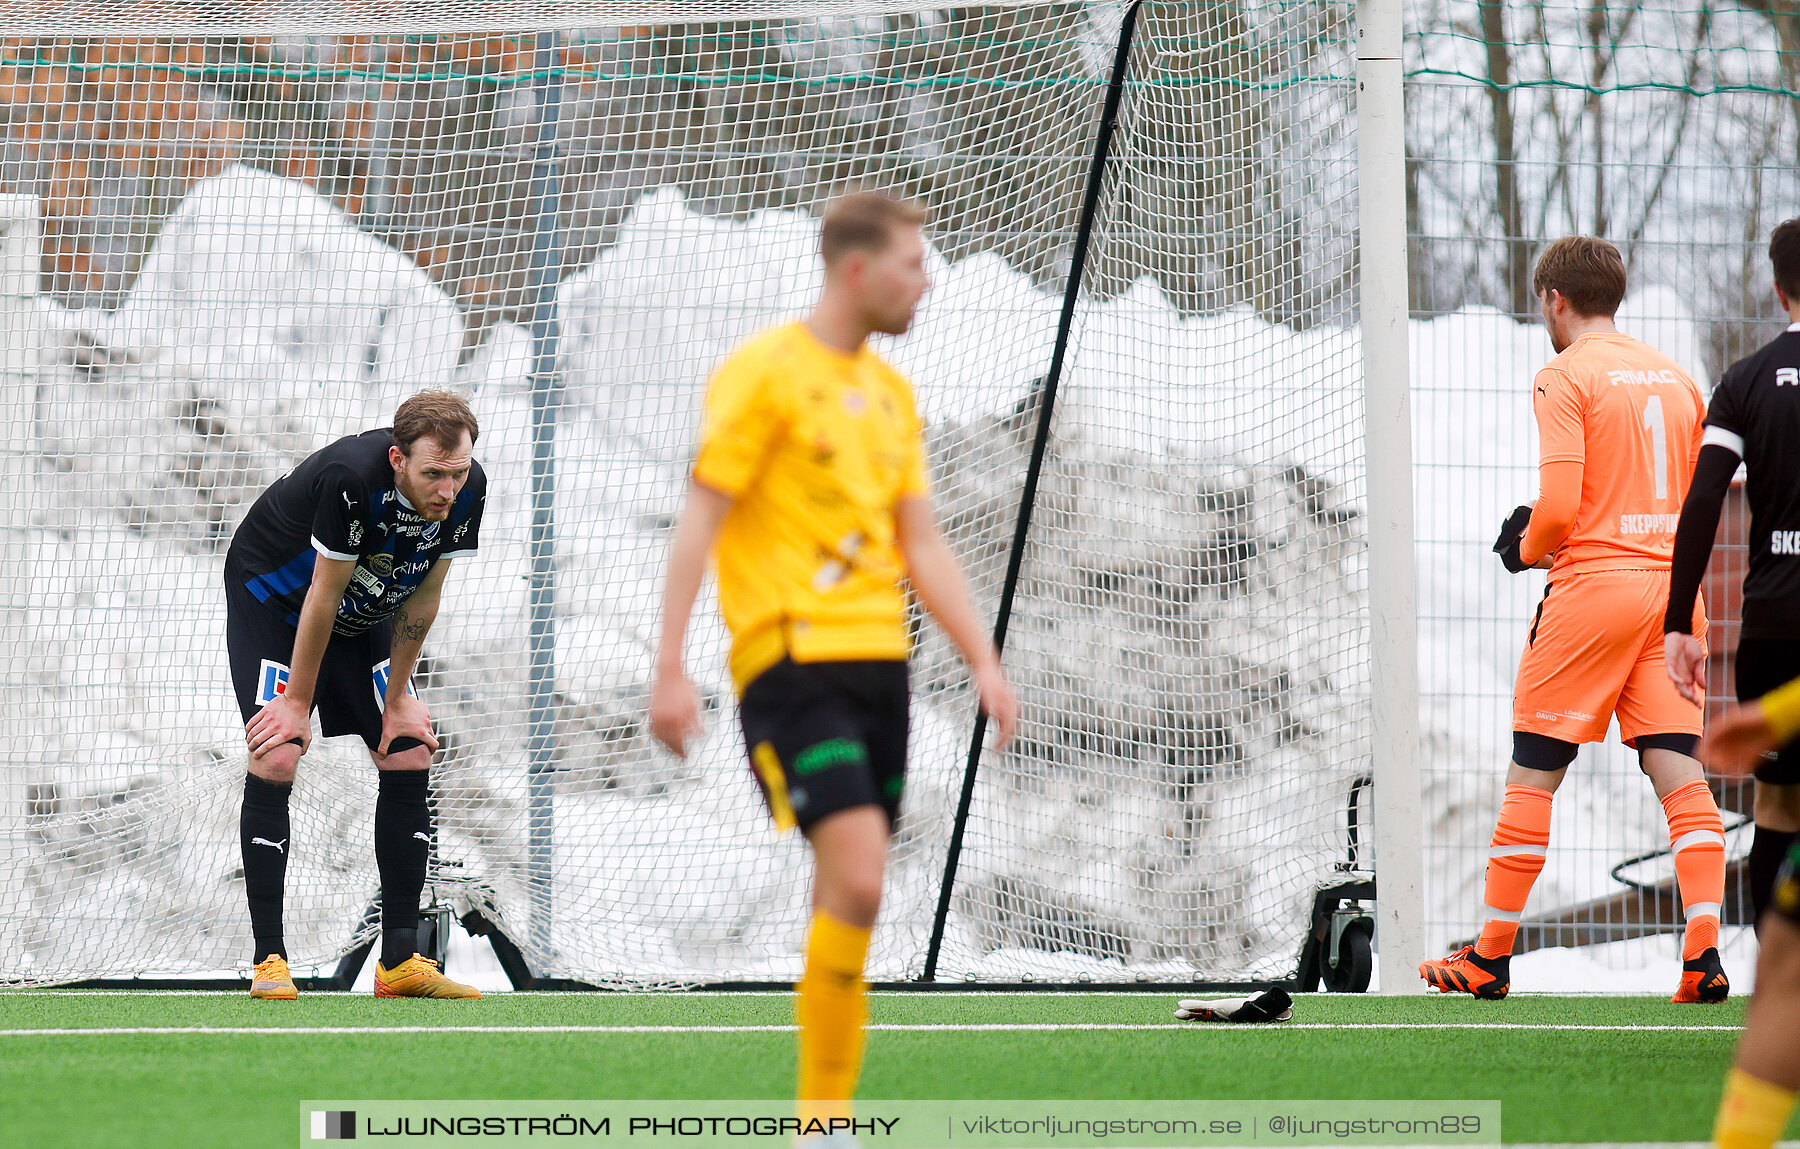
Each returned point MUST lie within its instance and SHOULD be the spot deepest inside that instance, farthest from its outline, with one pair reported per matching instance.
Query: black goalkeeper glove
(1512, 533)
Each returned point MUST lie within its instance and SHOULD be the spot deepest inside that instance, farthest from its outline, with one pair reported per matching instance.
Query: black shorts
(352, 687)
(1762, 665)
(827, 736)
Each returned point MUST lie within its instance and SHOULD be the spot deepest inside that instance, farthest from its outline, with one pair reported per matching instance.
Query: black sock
(402, 848)
(263, 834)
(1767, 849)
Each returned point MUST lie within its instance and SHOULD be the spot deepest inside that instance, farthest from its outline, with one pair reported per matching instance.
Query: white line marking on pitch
(163, 993)
(649, 994)
(1176, 991)
(998, 1027)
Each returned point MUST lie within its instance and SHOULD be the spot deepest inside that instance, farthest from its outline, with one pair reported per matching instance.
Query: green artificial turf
(196, 1089)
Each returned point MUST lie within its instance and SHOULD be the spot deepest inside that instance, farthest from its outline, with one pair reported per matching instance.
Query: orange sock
(1516, 857)
(831, 1008)
(1697, 838)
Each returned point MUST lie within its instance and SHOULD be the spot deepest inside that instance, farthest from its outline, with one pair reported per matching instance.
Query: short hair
(1784, 257)
(864, 221)
(437, 414)
(1588, 272)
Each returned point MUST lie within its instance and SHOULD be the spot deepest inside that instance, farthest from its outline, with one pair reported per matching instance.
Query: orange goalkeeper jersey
(1632, 417)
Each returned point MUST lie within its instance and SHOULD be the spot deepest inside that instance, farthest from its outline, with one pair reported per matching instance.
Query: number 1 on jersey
(1659, 443)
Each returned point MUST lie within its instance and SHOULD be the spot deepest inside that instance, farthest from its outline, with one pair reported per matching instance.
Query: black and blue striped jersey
(341, 502)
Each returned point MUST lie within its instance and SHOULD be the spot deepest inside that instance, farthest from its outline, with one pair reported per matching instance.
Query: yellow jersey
(817, 448)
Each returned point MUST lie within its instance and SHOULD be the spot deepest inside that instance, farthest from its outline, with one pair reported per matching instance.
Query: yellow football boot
(418, 977)
(271, 981)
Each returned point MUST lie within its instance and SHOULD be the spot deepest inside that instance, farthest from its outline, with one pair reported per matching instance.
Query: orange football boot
(1703, 979)
(271, 981)
(418, 977)
(1466, 971)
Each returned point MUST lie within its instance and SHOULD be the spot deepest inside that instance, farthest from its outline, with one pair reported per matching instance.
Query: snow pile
(262, 325)
(258, 283)
(1189, 637)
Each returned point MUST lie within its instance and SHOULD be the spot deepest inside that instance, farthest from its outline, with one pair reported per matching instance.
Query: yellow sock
(1753, 1113)
(831, 1008)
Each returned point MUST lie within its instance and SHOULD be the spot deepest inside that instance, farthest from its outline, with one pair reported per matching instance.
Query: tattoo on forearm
(408, 629)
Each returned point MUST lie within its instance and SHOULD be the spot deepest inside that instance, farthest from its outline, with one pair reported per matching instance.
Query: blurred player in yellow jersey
(1765, 1074)
(1619, 428)
(809, 489)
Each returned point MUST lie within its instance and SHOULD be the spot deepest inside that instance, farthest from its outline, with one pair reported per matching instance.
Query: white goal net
(232, 236)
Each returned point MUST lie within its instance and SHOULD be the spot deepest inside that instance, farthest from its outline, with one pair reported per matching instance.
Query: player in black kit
(1754, 418)
(331, 585)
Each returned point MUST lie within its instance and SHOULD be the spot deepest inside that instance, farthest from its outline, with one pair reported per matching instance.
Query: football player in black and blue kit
(331, 584)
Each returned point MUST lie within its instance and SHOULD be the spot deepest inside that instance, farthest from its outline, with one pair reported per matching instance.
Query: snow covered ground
(1188, 637)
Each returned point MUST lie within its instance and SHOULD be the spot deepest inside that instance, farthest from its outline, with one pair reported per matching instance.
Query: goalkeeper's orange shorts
(1596, 650)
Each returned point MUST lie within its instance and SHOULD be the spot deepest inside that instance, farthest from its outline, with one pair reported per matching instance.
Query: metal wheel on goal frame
(1339, 950)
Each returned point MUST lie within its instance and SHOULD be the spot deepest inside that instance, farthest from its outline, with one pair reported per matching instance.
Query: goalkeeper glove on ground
(1270, 1005)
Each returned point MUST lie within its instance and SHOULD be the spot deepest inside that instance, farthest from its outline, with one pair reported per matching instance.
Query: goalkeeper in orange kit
(1619, 426)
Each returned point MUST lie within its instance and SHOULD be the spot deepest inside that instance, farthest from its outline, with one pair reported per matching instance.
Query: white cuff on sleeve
(331, 554)
(1720, 437)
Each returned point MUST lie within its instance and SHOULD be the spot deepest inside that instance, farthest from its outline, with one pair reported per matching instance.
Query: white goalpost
(1393, 604)
(232, 237)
